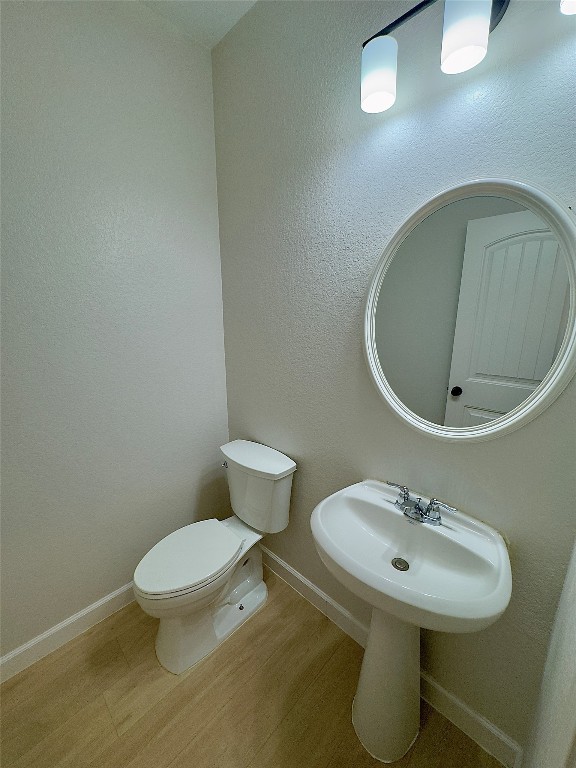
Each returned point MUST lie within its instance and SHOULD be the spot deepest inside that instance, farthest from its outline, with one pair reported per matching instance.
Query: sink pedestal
(386, 709)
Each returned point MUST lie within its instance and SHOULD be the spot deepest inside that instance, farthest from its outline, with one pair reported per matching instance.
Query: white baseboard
(330, 608)
(480, 730)
(67, 630)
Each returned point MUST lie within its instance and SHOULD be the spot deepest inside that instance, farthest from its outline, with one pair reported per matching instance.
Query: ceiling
(205, 21)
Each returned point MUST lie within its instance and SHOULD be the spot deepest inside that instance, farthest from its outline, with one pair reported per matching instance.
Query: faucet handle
(444, 507)
(431, 514)
(404, 495)
(432, 511)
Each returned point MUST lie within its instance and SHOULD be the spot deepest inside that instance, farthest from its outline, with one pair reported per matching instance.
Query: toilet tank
(260, 482)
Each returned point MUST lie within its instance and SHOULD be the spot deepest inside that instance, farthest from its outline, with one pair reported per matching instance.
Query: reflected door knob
(456, 391)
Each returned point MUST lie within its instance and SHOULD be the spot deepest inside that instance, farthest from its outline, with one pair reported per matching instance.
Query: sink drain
(400, 564)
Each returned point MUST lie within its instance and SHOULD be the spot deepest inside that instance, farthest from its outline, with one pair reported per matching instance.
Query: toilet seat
(188, 559)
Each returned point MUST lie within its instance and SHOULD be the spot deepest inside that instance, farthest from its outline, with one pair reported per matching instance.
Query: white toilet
(204, 580)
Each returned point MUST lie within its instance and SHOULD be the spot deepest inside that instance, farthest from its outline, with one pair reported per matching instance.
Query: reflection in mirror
(475, 299)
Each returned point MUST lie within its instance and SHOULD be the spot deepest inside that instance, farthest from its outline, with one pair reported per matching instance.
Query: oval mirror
(470, 324)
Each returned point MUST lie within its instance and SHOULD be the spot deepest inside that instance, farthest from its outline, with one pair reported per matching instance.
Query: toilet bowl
(204, 580)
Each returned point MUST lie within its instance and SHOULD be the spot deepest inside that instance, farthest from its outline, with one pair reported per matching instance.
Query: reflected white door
(511, 316)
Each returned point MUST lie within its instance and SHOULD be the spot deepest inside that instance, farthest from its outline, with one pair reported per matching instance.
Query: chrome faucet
(414, 510)
(410, 507)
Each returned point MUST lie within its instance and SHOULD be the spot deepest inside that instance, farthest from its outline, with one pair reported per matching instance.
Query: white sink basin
(458, 578)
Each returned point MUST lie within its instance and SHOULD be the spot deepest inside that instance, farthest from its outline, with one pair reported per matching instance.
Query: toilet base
(183, 641)
(229, 617)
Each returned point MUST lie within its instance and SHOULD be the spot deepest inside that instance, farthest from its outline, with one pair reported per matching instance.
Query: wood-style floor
(276, 694)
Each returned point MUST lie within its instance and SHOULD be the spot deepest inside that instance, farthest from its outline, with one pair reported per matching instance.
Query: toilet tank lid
(259, 459)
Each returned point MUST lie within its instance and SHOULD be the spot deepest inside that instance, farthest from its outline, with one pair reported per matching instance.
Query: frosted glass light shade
(568, 7)
(465, 36)
(378, 85)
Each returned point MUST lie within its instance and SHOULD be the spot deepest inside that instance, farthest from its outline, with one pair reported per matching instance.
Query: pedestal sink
(452, 577)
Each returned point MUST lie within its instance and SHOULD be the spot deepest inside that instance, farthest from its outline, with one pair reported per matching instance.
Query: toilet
(204, 580)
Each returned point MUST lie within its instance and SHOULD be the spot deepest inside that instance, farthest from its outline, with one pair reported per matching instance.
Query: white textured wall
(114, 398)
(553, 738)
(310, 190)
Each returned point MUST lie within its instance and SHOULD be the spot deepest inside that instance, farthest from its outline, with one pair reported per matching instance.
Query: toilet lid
(189, 557)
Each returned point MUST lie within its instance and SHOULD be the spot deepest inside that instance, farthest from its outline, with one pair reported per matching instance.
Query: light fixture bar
(400, 20)
(499, 8)
(380, 52)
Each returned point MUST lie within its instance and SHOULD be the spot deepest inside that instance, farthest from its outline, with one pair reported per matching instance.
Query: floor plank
(76, 742)
(300, 739)
(64, 695)
(34, 681)
(269, 693)
(174, 721)
(277, 694)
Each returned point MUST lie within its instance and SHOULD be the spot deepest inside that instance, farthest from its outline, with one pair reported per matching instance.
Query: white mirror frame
(562, 223)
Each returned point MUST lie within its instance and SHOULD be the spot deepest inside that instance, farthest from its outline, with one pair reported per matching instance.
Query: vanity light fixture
(568, 7)
(467, 24)
(465, 34)
(378, 89)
